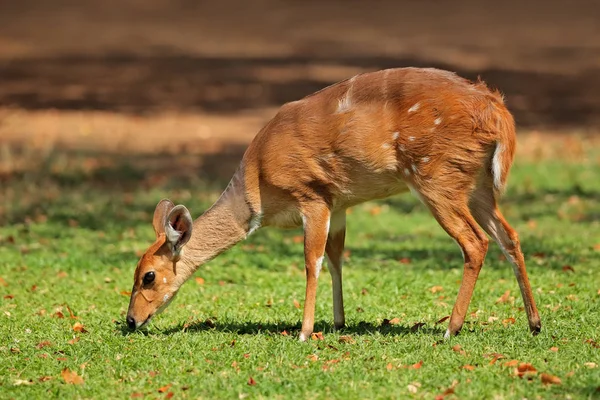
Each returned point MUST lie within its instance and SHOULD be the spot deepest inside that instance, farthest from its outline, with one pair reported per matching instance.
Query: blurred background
(136, 94)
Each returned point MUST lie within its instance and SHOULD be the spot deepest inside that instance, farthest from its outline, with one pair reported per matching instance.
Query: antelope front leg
(316, 228)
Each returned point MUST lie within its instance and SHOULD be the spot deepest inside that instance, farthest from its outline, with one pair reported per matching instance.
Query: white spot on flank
(386, 146)
(414, 168)
(164, 280)
(437, 121)
(343, 104)
(319, 265)
(401, 147)
(406, 171)
(254, 223)
(395, 135)
(411, 138)
(414, 108)
(425, 159)
(166, 297)
(497, 166)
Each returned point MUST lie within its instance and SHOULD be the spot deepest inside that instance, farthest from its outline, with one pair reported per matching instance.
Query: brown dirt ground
(172, 77)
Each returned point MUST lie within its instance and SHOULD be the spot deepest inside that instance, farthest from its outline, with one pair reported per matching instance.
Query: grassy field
(69, 245)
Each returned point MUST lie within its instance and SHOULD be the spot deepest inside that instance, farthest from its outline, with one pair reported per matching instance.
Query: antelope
(449, 141)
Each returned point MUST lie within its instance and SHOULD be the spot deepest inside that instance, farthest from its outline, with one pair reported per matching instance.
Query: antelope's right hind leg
(487, 214)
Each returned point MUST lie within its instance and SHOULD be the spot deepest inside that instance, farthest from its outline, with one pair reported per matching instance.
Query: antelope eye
(149, 277)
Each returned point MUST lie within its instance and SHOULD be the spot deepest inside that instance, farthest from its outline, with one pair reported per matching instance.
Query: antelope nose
(131, 323)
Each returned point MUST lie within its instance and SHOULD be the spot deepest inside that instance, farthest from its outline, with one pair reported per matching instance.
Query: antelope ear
(160, 215)
(178, 228)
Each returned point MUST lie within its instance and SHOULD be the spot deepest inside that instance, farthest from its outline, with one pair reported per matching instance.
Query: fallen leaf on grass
(593, 343)
(504, 298)
(417, 326)
(591, 365)
(43, 344)
(457, 349)
(312, 357)
(412, 388)
(78, 327)
(296, 303)
(404, 260)
(251, 381)
(548, 379)
(567, 268)
(436, 289)
(126, 293)
(417, 365)
(494, 357)
(346, 339)
(511, 363)
(200, 281)
(164, 388)
(74, 340)
(284, 333)
(20, 382)
(3, 282)
(393, 321)
(447, 317)
(71, 377)
(45, 378)
(135, 395)
(525, 370)
(58, 315)
(447, 392)
(554, 349)
(317, 336)
(9, 296)
(508, 321)
(169, 395)
(468, 367)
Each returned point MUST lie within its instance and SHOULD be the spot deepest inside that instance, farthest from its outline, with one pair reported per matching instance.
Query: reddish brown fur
(449, 140)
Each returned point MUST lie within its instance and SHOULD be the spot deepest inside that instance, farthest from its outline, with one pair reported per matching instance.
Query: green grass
(71, 243)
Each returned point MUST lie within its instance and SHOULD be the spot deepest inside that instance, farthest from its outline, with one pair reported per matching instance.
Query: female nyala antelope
(449, 141)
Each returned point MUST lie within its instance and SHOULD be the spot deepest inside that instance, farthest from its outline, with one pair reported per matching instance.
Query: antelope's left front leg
(316, 228)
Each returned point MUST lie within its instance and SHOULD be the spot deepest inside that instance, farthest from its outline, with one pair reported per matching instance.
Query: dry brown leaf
(508, 321)
(457, 349)
(494, 357)
(136, 395)
(3, 282)
(554, 349)
(251, 381)
(567, 268)
(71, 377)
(74, 340)
(58, 314)
(436, 289)
(389, 367)
(43, 344)
(317, 336)
(298, 239)
(525, 370)
(404, 260)
(169, 395)
(592, 343)
(164, 388)
(199, 281)
(296, 303)
(126, 293)
(511, 363)
(375, 210)
(393, 321)
(417, 365)
(78, 327)
(447, 317)
(312, 357)
(346, 339)
(417, 326)
(447, 392)
(504, 298)
(548, 379)
(9, 296)
(45, 378)
(284, 333)
(468, 367)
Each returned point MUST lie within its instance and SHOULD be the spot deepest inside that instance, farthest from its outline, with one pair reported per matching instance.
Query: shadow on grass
(277, 328)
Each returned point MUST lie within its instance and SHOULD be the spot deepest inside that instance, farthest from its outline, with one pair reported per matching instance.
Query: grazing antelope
(449, 141)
